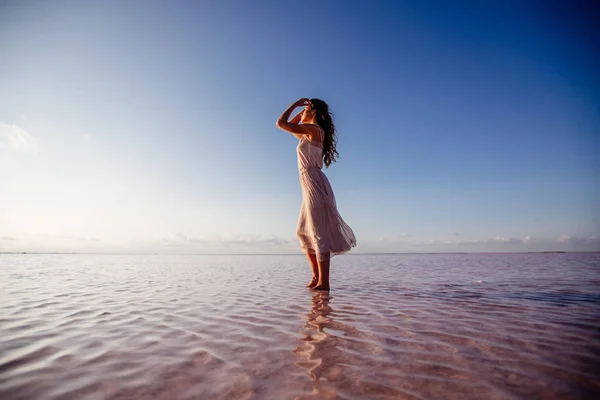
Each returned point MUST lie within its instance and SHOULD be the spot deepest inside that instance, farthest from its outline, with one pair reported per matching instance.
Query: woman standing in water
(321, 229)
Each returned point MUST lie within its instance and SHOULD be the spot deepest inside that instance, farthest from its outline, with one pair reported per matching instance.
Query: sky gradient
(149, 126)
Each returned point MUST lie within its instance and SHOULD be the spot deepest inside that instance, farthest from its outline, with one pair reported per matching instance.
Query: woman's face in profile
(307, 113)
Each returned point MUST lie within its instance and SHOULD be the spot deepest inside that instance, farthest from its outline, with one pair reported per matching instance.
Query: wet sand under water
(462, 326)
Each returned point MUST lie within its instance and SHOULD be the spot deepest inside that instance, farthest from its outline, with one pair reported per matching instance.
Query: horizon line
(295, 254)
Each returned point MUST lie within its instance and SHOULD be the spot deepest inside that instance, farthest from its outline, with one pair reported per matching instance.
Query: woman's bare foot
(320, 287)
(313, 282)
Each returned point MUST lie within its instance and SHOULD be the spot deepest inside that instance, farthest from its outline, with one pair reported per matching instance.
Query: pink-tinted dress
(321, 229)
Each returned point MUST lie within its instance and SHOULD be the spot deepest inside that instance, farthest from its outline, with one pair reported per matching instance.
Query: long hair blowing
(325, 121)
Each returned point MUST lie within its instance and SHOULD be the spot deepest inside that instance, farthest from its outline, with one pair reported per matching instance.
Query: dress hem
(332, 253)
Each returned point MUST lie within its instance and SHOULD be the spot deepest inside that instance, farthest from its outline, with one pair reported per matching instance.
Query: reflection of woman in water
(318, 348)
(323, 349)
(321, 229)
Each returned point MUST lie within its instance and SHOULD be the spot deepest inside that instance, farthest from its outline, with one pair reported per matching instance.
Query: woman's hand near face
(293, 126)
(302, 102)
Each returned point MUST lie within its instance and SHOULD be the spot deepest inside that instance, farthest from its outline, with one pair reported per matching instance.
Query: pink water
(487, 326)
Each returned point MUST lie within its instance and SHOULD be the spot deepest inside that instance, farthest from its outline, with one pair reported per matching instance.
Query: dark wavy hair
(325, 121)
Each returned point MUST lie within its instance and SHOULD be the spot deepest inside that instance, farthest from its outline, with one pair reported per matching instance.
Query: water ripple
(486, 326)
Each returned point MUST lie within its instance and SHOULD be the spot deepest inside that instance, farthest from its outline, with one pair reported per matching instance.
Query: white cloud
(14, 139)
(528, 240)
(231, 242)
(591, 241)
(179, 243)
(470, 242)
(564, 238)
(501, 239)
(184, 243)
(496, 244)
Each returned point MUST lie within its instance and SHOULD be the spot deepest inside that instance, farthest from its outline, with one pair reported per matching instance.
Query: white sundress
(321, 229)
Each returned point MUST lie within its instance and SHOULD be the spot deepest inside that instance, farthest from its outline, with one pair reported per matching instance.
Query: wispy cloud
(15, 139)
(233, 244)
(239, 241)
(580, 241)
(183, 243)
(71, 238)
(507, 240)
(498, 243)
(529, 242)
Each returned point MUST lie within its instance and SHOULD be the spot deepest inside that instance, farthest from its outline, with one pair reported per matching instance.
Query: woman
(321, 230)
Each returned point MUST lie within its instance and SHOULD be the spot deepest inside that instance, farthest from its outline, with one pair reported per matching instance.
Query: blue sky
(150, 126)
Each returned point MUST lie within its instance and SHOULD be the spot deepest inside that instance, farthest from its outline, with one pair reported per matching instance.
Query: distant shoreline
(294, 254)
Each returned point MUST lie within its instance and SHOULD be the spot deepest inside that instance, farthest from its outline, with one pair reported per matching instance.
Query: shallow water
(462, 326)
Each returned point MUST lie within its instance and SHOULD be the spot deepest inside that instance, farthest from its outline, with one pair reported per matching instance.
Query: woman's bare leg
(323, 274)
(312, 258)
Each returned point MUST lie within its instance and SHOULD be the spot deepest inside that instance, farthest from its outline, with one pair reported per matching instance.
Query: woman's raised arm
(292, 126)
